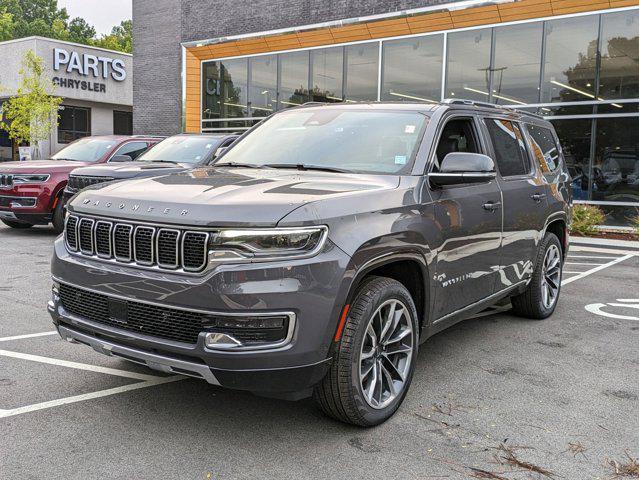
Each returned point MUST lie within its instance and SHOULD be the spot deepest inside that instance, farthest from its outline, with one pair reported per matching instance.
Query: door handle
(538, 197)
(492, 206)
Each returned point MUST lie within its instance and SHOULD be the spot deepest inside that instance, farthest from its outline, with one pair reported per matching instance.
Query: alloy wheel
(551, 276)
(386, 354)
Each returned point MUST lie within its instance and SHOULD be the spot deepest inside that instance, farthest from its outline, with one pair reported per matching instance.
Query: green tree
(33, 111)
(120, 38)
(80, 31)
(6, 26)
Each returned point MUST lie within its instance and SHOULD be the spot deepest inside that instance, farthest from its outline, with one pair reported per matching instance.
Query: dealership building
(96, 87)
(218, 66)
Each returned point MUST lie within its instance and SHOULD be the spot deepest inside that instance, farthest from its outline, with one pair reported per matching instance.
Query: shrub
(586, 218)
(635, 224)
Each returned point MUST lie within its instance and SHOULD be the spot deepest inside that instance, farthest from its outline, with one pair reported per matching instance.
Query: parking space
(496, 395)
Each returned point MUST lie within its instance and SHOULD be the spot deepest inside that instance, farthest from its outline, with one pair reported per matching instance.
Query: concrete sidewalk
(628, 245)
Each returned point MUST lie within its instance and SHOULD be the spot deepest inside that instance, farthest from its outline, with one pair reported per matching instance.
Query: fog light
(232, 333)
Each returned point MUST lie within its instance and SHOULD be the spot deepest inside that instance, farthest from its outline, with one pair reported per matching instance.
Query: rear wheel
(374, 361)
(14, 224)
(540, 298)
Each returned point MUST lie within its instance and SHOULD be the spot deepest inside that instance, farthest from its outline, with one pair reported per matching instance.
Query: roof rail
(460, 101)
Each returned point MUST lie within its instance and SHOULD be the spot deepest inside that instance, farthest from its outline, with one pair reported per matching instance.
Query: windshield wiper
(160, 161)
(303, 166)
(236, 164)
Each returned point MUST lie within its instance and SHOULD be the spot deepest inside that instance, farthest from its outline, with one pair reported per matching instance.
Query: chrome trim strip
(130, 236)
(110, 225)
(135, 244)
(177, 248)
(92, 237)
(151, 360)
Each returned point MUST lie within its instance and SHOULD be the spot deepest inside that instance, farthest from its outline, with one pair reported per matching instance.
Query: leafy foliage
(586, 218)
(24, 18)
(32, 113)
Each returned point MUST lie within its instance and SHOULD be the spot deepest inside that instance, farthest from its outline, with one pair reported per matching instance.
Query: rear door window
(544, 148)
(509, 147)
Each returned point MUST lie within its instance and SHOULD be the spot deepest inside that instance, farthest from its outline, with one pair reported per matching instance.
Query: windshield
(182, 149)
(85, 150)
(352, 140)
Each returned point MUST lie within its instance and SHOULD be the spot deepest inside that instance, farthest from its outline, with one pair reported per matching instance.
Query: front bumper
(27, 203)
(313, 289)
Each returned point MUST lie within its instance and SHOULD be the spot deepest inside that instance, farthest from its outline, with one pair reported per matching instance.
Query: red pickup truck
(31, 191)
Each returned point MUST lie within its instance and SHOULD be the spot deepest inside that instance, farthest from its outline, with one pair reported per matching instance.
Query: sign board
(96, 70)
(24, 153)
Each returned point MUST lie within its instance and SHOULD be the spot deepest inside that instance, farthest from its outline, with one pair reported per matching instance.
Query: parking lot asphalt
(495, 395)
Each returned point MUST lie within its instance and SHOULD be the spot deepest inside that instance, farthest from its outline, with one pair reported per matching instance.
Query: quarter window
(544, 147)
(509, 146)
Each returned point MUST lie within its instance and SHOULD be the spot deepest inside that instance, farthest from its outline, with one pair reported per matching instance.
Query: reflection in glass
(574, 137)
(616, 163)
(422, 80)
(328, 71)
(361, 72)
(619, 77)
(294, 79)
(468, 68)
(517, 63)
(263, 85)
(571, 57)
(225, 88)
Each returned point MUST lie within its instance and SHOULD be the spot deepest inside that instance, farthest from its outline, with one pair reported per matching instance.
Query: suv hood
(40, 166)
(223, 196)
(132, 169)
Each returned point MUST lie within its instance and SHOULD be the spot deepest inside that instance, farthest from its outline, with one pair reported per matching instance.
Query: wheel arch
(558, 225)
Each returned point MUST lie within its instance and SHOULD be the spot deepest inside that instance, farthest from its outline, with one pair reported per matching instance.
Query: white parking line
(609, 257)
(79, 366)
(597, 269)
(89, 396)
(583, 263)
(28, 335)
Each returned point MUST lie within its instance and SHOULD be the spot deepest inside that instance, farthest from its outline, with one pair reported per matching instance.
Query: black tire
(58, 216)
(340, 394)
(18, 225)
(530, 303)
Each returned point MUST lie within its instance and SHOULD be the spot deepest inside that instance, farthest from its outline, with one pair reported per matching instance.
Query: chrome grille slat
(140, 245)
(86, 235)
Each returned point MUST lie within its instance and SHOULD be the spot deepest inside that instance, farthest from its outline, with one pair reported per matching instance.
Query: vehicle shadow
(33, 232)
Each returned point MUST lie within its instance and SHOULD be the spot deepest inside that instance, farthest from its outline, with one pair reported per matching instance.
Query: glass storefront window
(225, 88)
(575, 138)
(616, 162)
(294, 79)
(517, 64)
(422, 81)
(571, 58)
(361, 72)
(468, 67)
(328, 73)
(263, 85)
(619, 77)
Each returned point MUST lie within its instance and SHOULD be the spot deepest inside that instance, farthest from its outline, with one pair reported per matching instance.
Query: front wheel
(540, 298)
(374, 361)
(58, 216)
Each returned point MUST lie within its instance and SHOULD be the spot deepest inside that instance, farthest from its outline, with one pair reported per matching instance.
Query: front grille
(6, 180)
(146, 246)
(157, 321)
(78, 182)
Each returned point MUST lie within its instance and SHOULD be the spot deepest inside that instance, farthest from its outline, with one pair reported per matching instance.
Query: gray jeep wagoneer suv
(320, 250)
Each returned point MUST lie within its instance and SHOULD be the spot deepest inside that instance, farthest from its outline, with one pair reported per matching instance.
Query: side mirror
(121, 158)
(461, 167)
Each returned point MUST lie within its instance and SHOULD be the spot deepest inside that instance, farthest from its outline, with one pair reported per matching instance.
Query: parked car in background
(31, 191)
(320, 251)
(172, 155)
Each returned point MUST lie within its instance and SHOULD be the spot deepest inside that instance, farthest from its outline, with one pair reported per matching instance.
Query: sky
(102, 14)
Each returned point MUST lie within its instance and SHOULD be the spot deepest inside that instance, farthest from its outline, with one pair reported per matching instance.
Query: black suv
(320, 250)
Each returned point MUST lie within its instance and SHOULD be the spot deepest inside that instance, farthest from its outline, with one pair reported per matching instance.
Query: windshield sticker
(409, 129)
(198, 157)
(400, 159)
(208, 145)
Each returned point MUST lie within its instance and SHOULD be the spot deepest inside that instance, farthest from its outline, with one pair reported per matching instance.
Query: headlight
(19, 179)
(266, 244)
